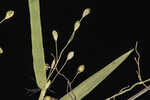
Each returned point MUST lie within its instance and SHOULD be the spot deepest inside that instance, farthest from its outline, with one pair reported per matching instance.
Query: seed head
(81, 68)
(55, 35)
(1, 51)
(9, 14)
(86, 12)
(70, 55)
(76, 25)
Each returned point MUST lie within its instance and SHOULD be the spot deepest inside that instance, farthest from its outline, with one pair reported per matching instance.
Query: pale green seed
(76, 25)
(81, 68)
(86, 12)
(70, 55)
(1, 51)
(9, 14)
(55, 35)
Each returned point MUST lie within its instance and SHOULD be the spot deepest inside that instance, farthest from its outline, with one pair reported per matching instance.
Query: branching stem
(140, 93)
(129, 89)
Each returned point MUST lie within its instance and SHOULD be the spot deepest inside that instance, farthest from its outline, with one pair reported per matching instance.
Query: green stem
(43, 91)
(58, 73)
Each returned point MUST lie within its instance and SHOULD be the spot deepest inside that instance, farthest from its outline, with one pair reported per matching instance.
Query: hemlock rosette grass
(40, 68)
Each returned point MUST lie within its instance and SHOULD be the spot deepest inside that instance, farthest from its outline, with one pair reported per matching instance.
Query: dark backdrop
(110, 30)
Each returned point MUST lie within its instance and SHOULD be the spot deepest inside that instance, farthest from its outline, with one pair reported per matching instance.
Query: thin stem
(58, 73)
(75, 77)
(56, 50)
(52, 65)
(68, 81)
(51, 72)
(129, 89)
(138, 64)
(2, 21)
(71, 38)
(140, 93)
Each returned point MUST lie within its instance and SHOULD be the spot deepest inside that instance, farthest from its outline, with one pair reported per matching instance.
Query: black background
(110, 30)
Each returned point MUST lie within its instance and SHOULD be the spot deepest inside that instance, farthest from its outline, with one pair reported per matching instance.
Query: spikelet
(76, 25)
(86, 12)
(9, 14)
(81, 68)
(1, 51)
(55, 35)
(70, 55)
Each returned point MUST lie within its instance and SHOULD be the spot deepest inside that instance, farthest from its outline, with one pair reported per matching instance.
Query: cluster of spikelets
(70, 54)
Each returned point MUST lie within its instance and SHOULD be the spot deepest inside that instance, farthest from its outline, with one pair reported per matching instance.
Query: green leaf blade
(37, 43)
(89, 84)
